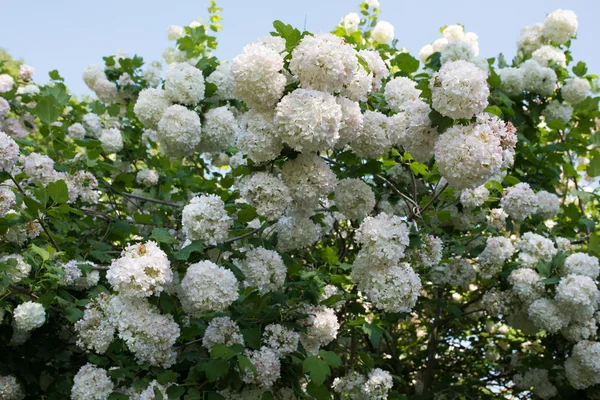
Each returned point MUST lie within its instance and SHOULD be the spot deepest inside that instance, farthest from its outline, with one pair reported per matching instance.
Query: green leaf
(406, 63)
(73, 314)
(593, 168)
(330, 358)
(551, 281)
(58, 191)
(373, 332)
(216, 369)
(220, 351)
(48, 110)
(419, 169)
(493, 78)
(580, 69)
(162, 235)
(185, 253)
(246, 215)
(329, 255)
(494, 110)
(175, 392)
(245, 364)
(41, 252)
(55, 76)
(317, 369)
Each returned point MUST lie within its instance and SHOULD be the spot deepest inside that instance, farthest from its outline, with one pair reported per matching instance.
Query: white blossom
(179, 131)
(575, 90)
(207, 287)
(308, 178)
(354, 198)
(150, 106)
(91, 383)
(267, 193)
(218, 130)
(29, 315)
(222, 330)
(263, 269)
(184, 84)
(383, 32)
(519, 201)
(205, 218)
(560, 26)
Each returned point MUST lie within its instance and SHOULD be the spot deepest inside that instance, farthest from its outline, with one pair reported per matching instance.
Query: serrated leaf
(373, 332)
(73, 314)
(58, 191)
(186, 252)
(220, 351)
(216, 369)
(330, 358)
(580, 69)
(406, 63)
(162, 235)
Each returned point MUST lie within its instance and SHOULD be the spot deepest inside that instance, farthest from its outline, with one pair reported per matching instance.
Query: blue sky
(70, 34)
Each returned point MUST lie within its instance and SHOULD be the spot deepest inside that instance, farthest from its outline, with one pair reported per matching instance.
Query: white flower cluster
(219, 130)
(308, 120)
(179, 131)
(20, 270)
(184, 84)
(257, 77)
(4, 108)
(537, 78)
(375, 138)
(536, 380)
(205, 218)
(6, 83)
(308, 178)
(268, 367)
(548, 204)
(459, 90)
(468, 156)
(75, 278)
(578, 295)
(280, 339)
(497, 250)
(547, 55)
(558, 28)
(451, 34)
(321, 327)
(147, 177)
(94, 330)
(383, 239)
(456, 272)
(91, 383)
(10, 388)
(142, 270)
(582, 264)
(399, 91)
(555, 110)
(428, 253)
(29, 315)
(324, 62)
(547, 314)
(151, 73)
(257, 136)
(111, 140)
(519, 201)
(150, 106)
(296, 232)
(575, 90)
(411, 128)
(533, 248)
(582, 367)
(222, 330)
(266, 193)
(9, 152)
(392, 289)
(148, 334)
(375, 385)
(354, 198)
(92, 124)
(207, 287)
(7, 200)
(473, 198)
(223, 80)
(525, 285)
(263, 269)
(76, 131)
(383, 32)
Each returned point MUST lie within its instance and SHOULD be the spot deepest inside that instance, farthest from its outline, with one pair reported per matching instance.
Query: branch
(24, 291)
(434, 198)
(252, 232)
(148, 199)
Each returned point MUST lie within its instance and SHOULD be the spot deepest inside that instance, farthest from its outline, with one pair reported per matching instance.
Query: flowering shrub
(324, 216)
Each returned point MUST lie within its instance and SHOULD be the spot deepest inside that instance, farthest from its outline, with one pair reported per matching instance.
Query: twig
(148, 199)
(434, 198)
(24, 291)
(252, 232)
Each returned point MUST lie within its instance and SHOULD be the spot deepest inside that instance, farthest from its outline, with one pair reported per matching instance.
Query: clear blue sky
(70, 34)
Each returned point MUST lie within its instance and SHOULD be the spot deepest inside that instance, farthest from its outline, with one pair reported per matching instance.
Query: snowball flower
(9, 152)
(533, 248)
(548, 204)
(10, 388)
(323, 62)
(29, 315)
(91, 383)
(548, 315)
(92, 124)
(537, 381)
(257, 79)
(526, 285)
(576, 90)
(511, 80)
(184, 84)
(6, 83)
(492, 258)
(26, 72)
(267, 193)
(582, 264)
(19, 271)
(268, 367)
(546, 55)
(375, 139)
(354, 198)
(280, 339)
(257, 136)
(296, 232)
(560, 26)
(76, 131)
(578, 291)
(376, 65)
(150, 106)
(352, 122)
(531, 38)
(459, 90)
(468, 156)
(457, 272)
(174, 32)
(384, 238)
(519, 201)
(582, 367)
(538, 79)
(557, 110)
(321, 328)
(263, 269)
(428, 253)
(308, 178)
(395, 289)
(379, 383)
(399, 91)
(383, 32)
(147, 177)
(7, 200)
(142, 270)
(222, 330)
(112, 141)
(456, 50)
(308, 120)
(472, 198)
(205, 218)
(179, 131)
(4, 108)
(207, 287)
(350, 23)
(222, 79)
(219, 130)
